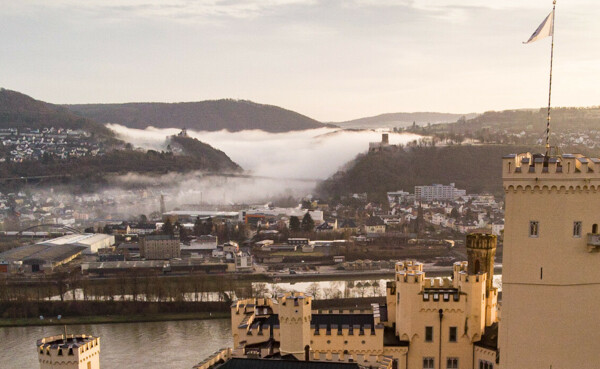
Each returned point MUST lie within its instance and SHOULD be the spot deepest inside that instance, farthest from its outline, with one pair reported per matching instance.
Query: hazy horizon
(330, 60)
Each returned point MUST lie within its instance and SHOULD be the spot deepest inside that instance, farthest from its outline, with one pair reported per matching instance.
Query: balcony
(593, 242)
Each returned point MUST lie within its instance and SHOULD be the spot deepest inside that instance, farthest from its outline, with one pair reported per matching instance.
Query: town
(20, 144)
(429, 223)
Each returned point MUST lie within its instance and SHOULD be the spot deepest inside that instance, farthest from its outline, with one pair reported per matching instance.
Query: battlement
(460, 266)
(464, 277)
(67, 345)
(410, 276)
(481, 241)
(409, 265)
(297, 298)
(444, 282)
(538, 167)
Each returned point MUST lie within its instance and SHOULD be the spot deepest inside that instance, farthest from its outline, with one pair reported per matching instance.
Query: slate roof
(239, 363)
(489, 340)
(340, 320)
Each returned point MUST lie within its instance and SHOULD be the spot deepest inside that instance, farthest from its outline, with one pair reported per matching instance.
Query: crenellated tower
(551, 273)
(294, 324)
(481, 250)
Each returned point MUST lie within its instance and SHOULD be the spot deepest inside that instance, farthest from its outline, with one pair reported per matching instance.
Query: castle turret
(481, 250)
(294, 324)
(69, 351)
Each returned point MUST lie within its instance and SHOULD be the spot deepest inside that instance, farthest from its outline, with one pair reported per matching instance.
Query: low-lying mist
(311, 154)
(278, 166)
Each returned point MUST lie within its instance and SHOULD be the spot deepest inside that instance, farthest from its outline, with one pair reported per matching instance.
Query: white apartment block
(438, 192)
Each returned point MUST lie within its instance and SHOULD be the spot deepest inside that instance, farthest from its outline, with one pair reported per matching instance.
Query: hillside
(576, 127)
(231, 115)
(91, 170)
(474, 168)
(393, 120)
(18, 110)
(199, 150)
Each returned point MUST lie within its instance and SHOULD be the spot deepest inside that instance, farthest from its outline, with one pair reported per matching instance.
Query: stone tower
(294, 324)
(551, 263)
(481, 250)
(69, 351)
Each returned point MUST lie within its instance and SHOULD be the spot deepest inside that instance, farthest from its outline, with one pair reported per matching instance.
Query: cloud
(169, 9)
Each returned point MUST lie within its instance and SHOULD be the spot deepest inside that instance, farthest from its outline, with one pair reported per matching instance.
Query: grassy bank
(108, 319)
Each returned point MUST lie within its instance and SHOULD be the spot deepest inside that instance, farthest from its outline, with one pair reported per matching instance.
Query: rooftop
(238, 363)
(38, 252)
(71, 341)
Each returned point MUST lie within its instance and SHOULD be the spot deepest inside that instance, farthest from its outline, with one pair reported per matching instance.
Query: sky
(332, 60)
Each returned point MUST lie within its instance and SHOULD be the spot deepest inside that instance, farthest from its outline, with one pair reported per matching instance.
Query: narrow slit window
(577, 229)
(534, 228)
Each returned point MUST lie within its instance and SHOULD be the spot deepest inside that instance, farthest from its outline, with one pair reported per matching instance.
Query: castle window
(595, 229)
(452, 337)
(534, 228)
(452, 363)
(428, 363)
(483, 364)
(577, 229)
(428, 334)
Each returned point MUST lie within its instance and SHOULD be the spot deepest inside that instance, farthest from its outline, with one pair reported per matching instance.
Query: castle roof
(239, 363)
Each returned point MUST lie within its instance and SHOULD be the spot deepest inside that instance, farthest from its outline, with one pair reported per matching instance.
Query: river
(157, 345)
(174, 344)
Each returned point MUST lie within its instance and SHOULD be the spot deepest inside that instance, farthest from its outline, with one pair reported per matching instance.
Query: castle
(424, 321)
(548, 315)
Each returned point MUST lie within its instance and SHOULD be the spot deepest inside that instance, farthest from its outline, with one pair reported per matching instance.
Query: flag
(544, 30)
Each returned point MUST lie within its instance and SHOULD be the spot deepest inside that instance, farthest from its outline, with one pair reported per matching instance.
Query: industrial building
(91, 241)
(38, 257)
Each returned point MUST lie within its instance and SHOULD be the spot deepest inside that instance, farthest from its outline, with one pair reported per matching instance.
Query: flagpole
(550, 84)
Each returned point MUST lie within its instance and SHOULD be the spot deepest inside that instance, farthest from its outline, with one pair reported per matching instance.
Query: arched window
(477, 266)
(306, 353)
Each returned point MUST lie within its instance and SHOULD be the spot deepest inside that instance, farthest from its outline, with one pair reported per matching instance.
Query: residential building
(374, 224)
(438, 192)
(159, 247)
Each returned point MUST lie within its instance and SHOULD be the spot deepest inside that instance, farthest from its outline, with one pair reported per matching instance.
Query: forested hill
(474, 168)
(214, 115)
(199, 150)
(397, 120)
(92, 170)
(18, 110)
(525, 120)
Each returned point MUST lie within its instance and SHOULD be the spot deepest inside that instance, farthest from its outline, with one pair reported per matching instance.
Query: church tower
(551, 263)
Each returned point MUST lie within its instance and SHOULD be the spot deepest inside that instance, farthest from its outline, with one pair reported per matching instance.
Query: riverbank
(112, 319)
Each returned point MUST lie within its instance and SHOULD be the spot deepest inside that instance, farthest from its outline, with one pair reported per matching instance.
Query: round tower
(294, 324)
(481, 250)
(69, 351)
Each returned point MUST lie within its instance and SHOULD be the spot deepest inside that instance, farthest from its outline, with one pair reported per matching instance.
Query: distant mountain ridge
(392, 120)
(210, 115)
(18, 110)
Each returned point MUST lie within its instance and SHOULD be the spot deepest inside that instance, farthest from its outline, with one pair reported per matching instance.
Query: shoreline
(112, 319)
